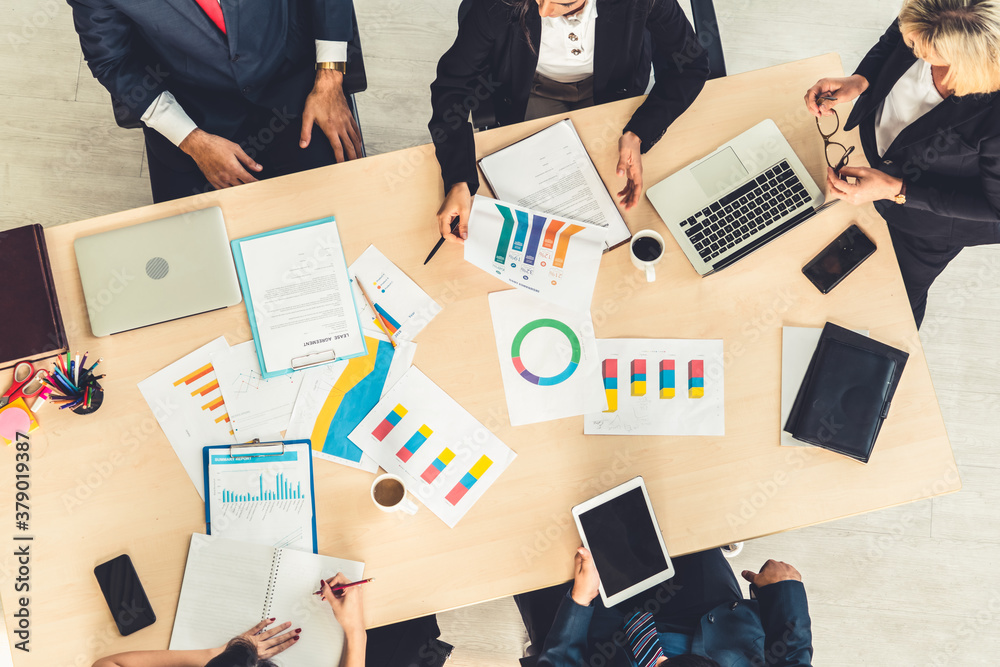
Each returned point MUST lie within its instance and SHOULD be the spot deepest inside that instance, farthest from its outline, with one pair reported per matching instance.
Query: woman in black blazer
(935, 174)
(496, 56)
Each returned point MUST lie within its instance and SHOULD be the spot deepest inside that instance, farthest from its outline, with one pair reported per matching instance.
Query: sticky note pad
(15, 417)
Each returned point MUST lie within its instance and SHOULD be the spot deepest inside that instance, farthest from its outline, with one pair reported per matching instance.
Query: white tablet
(619, 529)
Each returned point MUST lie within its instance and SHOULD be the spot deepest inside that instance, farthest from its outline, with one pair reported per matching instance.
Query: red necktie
(214, 11)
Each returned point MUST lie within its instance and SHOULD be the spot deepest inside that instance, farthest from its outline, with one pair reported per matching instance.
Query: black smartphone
(124, 594)
(838, 259)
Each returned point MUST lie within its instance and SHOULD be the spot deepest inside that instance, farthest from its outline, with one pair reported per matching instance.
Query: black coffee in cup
(389, 492)
(647, 248)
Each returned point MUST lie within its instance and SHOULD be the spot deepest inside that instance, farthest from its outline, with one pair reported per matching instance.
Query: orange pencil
(378, 315)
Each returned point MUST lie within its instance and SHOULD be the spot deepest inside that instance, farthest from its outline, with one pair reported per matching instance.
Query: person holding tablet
(535, 58)
(696, 619)
(930, 127)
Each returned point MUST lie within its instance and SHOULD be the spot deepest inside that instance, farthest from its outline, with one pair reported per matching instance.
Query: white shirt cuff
(331, 52)
(167, 116)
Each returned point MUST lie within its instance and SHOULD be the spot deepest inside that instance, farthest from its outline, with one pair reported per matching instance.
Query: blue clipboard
(206, 458)
(241, 273)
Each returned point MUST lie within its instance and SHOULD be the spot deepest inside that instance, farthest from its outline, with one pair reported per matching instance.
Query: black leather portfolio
(31, 326)
(846, 393)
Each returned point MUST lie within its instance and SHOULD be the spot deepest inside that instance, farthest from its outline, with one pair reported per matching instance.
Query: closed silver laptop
(743, 195)
(157, 271)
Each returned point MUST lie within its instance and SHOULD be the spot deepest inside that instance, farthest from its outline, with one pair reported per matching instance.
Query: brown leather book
(31, 325)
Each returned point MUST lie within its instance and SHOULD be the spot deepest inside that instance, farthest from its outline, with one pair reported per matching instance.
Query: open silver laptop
(157, 271)
(743, 195)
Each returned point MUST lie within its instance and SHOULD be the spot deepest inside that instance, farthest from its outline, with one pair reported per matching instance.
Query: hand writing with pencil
(348, 609)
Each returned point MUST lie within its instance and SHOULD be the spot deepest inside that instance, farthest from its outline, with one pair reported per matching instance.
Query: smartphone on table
(124, 594)
(836, 261)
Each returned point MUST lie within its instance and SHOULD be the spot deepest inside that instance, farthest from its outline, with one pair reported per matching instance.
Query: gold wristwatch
(339, 67)
(901, 197)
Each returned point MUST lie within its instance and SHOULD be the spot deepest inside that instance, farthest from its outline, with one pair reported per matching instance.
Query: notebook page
(552, 172)
(298, 575)
(225, 585)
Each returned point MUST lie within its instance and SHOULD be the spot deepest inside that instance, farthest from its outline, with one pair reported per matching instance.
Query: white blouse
(912, 97)
(566, 51)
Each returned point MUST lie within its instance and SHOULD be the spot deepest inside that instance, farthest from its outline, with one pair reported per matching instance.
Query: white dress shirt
(913, 96)
(566, 51)
(167, 116)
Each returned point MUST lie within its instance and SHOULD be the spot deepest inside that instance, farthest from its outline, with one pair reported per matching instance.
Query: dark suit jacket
(773, 630)
(139, 48)
(949, 158)
(491, 58)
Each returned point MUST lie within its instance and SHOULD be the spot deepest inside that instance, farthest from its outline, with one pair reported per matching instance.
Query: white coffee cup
(644, 261)
(396, 502)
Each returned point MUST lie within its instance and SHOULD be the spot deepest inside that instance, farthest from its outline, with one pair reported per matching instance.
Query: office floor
(919, 584)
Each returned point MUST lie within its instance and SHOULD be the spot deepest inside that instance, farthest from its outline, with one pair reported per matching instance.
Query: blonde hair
(963, 33)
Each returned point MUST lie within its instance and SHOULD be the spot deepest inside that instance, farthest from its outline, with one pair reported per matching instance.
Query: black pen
(454, 227)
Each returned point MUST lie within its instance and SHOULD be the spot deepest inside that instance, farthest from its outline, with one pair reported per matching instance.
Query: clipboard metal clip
(255, 443)
(315, 359)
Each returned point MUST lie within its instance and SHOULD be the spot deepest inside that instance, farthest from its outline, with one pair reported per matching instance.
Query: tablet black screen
(623, 541)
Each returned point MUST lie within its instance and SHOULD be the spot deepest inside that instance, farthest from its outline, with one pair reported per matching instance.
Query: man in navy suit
(226, 90)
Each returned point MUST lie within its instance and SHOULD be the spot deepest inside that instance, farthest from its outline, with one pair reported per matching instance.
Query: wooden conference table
(111, 483)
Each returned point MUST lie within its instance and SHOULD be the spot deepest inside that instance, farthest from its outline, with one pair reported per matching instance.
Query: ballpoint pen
(454, 228)
(339, 587)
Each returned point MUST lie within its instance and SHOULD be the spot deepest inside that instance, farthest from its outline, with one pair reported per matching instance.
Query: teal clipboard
(206, 460)
(241, 273)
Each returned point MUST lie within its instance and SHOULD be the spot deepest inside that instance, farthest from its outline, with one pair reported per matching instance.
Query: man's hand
(772, 572)
(270, 643)
(458, 202)
(585, 579)
(222, 162)
(327, 107)
(630, 166)
(869, 185)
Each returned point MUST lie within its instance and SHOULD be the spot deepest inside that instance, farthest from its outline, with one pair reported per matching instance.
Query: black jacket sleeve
(873, 62)
(784, 615)
(981, 204)
(680, 65)
(333, 19)
(106, 37)
(461, 72)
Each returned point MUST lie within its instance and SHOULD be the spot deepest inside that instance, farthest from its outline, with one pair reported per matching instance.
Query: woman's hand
(630, 165)
(869, 185)
(458, 203)
(270, 643)
(585, 579)
(346, 604)
(844, 89)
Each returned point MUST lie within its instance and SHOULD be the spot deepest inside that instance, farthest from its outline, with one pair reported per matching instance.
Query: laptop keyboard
(745, 212)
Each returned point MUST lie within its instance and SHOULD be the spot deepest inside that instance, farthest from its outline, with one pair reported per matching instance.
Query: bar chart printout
(667, 392)
(435, 446)
(262, 495)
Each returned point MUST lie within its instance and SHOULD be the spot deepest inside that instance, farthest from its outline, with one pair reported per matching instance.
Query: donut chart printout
(554, 258)
(660, 387)
(548, 359)
(445, 456)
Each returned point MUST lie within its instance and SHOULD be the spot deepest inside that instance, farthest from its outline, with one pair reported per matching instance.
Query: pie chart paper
(548, 359)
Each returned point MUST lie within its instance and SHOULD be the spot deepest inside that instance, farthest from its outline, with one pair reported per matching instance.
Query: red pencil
(340, 587)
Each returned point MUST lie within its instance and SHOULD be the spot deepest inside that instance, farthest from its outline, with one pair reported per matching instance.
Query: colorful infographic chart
(186, 400)
(446, 457)
(548, 358)
(555, 259)
(334, 398)
(405, 307)
(652, 404)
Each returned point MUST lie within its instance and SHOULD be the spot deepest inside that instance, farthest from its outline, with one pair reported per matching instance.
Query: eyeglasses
(836, 153)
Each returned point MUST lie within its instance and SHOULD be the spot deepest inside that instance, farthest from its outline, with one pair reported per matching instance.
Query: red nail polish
(295, 638)
(270, 619)
(297, 630)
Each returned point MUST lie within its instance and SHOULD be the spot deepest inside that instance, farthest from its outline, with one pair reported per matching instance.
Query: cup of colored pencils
(75, 385)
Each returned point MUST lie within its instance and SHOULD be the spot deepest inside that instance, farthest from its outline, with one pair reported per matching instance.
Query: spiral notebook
(230, 586)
